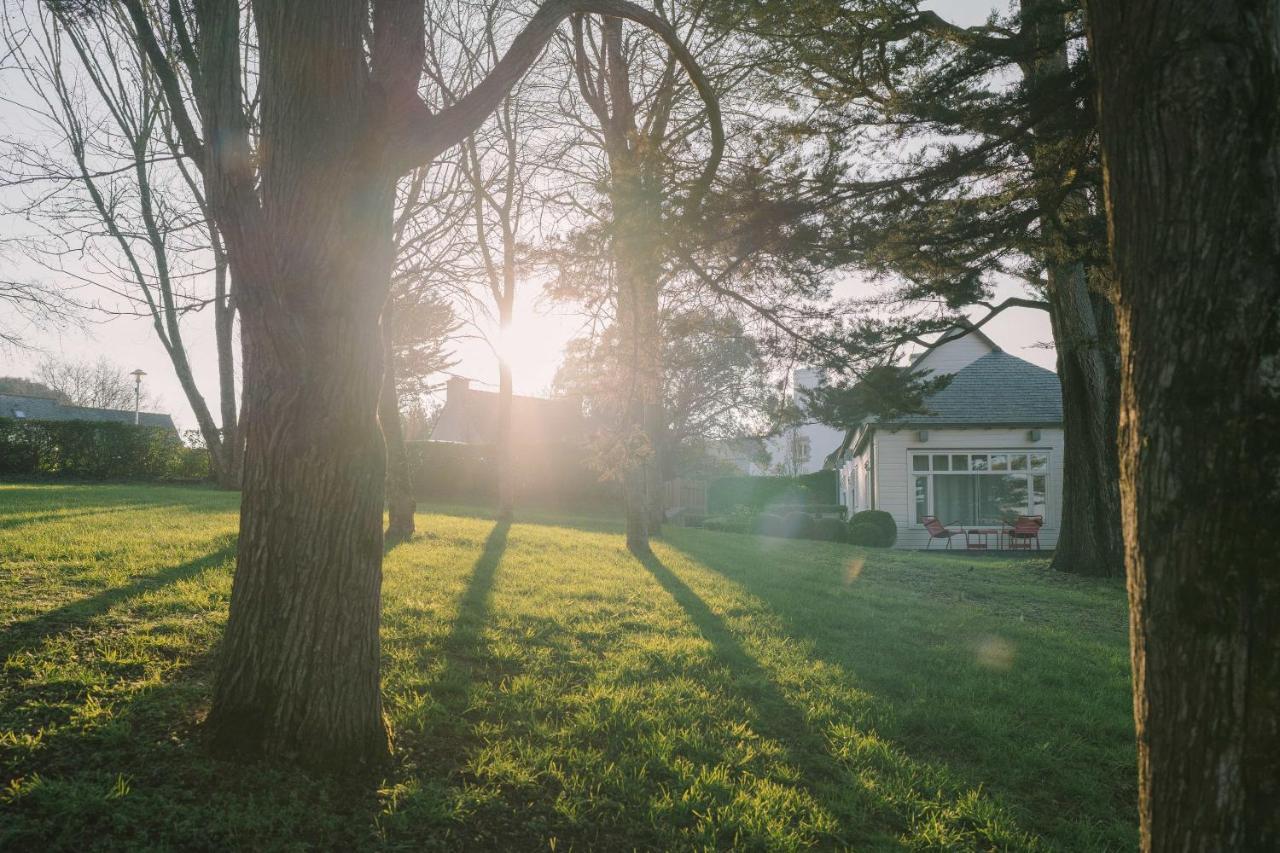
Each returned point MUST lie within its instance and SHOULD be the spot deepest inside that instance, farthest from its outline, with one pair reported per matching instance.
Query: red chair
(937, 531)
(1025, 530)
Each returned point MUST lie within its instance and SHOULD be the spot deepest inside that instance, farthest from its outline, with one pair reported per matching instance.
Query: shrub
(769, 524)
(97, 450)
(811, 509)
(830, 530)
(873, 527)
(820, 487)
(797, 525)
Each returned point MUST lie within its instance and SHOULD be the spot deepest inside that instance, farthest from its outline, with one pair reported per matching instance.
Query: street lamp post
(137, 392)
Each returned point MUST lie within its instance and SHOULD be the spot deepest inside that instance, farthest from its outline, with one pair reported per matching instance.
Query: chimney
(456, 389)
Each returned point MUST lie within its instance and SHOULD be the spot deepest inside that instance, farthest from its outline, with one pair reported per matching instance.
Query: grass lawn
(549, 691)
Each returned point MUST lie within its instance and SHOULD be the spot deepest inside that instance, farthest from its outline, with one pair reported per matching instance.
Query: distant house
(32, 408)
(747, 455)
(470, 416)
(803, 448)
(989, 447)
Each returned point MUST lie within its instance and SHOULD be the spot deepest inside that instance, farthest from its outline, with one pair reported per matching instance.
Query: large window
(979, 488)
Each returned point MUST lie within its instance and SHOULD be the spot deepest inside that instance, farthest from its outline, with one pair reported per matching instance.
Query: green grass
(549, 691)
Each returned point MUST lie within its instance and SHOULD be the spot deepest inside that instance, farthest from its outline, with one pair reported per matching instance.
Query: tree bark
(1191, 144)
(401, 505)
(299, 669)
(1084, 333)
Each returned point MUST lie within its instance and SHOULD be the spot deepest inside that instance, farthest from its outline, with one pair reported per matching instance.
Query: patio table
(973, 534)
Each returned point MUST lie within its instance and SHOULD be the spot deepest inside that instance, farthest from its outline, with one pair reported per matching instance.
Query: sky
(542, 327)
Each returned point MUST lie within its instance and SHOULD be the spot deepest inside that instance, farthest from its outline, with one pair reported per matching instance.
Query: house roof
(997, 390)
(34, 408)
(471, 417)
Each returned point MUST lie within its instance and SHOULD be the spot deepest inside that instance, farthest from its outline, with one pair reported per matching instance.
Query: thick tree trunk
(400, 501)
(1084, 331)
(1191, 141)
(299, 664)
(1084, 325)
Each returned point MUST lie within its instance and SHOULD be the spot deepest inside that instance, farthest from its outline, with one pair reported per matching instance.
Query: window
(980, 488)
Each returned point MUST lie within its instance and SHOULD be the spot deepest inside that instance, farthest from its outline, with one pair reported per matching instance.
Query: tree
(975, 159)
(305, 206)
(110, 190)
(1187, 101)
(31, 388)
(98, 384)
(715, 383)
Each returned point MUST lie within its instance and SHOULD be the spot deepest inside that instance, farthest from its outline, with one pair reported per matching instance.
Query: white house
(804, 448)
(989, 447)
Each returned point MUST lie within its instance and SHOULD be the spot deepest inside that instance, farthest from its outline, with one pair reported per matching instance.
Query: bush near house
(761, 493)
(873, 527)
(97, 450)
(830, 530)
(797, 525)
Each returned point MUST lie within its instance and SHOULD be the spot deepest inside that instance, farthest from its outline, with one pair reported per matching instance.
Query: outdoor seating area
(1017, 535)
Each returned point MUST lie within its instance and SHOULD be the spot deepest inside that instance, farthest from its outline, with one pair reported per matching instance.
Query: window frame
(1029, 473)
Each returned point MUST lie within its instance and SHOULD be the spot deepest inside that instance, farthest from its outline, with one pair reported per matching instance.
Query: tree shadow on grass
(18, 520)
(26, 634)
(777, 717)
(463, 647)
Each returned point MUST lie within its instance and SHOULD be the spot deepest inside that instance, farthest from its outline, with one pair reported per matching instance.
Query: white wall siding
(954, 356)
(893, 485)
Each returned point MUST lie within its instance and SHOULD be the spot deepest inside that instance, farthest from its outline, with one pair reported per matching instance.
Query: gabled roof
(34, 408)
(996, 390)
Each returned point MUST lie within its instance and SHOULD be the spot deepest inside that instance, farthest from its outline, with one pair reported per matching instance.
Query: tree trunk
(400, 501)
(224, 322)
(1084, 332)
(1191, 143)
(505, 459)
(1084, 326)
(299, 664)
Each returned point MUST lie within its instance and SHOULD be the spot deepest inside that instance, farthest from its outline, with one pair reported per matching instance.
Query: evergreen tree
(970, 155)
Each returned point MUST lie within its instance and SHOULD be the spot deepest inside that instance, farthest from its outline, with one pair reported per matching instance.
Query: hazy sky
(541, 331)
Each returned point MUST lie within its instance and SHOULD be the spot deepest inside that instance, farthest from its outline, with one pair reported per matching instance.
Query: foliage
(100, 384)
(820, 487)
(873, 527)
(771, 524)
(97, 450)
(830, 530)
(883, 392)
(30, 388)
(548, 689)
(797, 525)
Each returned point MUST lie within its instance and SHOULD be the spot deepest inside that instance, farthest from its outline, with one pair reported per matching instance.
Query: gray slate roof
(46, 409)
(997, 390)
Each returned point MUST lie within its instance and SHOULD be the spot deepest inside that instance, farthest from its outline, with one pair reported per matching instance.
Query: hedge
(97, 450)
(760, 493)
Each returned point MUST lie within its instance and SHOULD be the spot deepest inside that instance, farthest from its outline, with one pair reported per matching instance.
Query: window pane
(1039, 461)
(1000, 498)
(959, 462)
(1039, 500)
(941, 462)
(999, 462)
(978, 461)
(922, 497)
(920, 463)
(954, 498)
(1018, 462)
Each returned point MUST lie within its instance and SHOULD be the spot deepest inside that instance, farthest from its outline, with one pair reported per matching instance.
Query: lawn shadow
(25, 634)
(777, 717)
(18, 520)
(463, 646)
